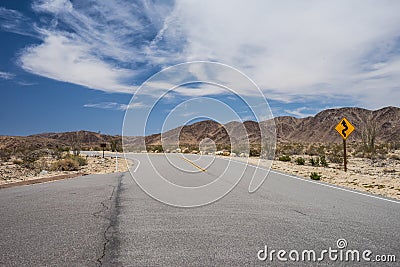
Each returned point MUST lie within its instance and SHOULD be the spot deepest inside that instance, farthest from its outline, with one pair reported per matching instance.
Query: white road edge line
(137, 165)
(319, 183)
(335, 187)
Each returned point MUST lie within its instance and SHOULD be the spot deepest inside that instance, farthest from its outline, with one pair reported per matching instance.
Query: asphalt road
(107, 220)
(61, 223)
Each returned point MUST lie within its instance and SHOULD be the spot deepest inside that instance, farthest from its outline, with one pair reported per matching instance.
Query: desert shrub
(291, 149)
(300, 161)
(299, 149)
(359, 151)
(321, 150)
(335, 159)
(65, 149)
(5, 154)
(29, 159)
(254, 153)
(389, 170)
(76, 150)
(395, 157)
(336, 149)
(382, 149)
(18, 161)
(358, 154)
(79, 159)
(315, 176)
(41, 164)
(281, 149)
(378, 156)
(278, 150)
(368, 136)
(34, 155)
(116, 145)
(323, 161)
(314, 162)
(159, 148)
(312, 150)
(316, 150)
(220, 147)
(58, 152)
(284, 158)
(395, 146)
(268, 148)
(65, 165)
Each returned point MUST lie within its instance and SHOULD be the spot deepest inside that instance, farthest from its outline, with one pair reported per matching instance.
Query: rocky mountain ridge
(315, 129)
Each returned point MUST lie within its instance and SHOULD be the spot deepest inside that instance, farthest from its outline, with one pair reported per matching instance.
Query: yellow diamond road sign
(344, 128)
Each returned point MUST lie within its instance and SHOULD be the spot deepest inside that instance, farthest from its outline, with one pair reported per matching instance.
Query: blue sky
(72, 65)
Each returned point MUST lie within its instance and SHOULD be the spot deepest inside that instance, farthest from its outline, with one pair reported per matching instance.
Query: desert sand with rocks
(377, 176)
(12, 173)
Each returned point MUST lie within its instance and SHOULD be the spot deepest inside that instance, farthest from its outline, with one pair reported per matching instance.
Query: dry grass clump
(34, 160)
(65, 165)
(69, 163)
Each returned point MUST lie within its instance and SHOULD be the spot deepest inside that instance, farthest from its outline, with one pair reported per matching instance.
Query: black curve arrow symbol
(345, 128)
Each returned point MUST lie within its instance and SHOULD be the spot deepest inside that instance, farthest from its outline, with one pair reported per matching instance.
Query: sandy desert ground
(378, 176)
(11, 173)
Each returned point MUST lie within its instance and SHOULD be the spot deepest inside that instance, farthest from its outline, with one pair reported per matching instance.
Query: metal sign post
(344, 128)
(344, 155)
(116, 161)
(103, 145)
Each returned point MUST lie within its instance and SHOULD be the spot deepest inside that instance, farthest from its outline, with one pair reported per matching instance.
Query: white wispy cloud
(301, 49)
(6, 75)
(292, 50)
(301, 112)
(23, 83)
(116, 106)
(189, 114)
(15, 21)
(105, 105)
(94, 44)
(68, 60)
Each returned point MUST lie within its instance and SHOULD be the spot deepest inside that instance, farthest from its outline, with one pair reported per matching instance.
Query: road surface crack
(302, 213)
(107, 212)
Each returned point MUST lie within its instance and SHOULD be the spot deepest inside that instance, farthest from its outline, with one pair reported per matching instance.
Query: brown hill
(321, 127)
(26, 142)
(191, 135)
(84, 138)
(318, 128)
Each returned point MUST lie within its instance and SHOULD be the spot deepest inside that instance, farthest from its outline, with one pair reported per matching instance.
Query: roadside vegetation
(315, 176)
(284, 158)
(300, 161)
(324, 154)
(33, 160)
(44, 159)
(70, 162)
(369, 158)
(379, 174)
